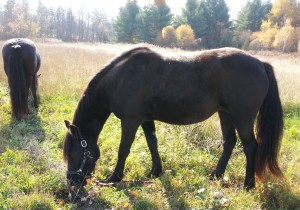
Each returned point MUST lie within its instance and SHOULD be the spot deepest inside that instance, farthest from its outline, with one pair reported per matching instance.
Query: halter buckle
(83, 143)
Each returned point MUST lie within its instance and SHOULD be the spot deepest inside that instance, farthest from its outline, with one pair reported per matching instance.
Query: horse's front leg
(149, 130)
(129, 128)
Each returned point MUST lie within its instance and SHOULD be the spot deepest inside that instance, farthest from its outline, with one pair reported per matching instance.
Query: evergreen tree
(70, 26)
(60, 23)
(251, 15)
(25, 10)
(52, 30)
(178, 20)
(126, 23)
(194, 13)
(152, 19)
(209, 20)
(42, 19)
(8, 10)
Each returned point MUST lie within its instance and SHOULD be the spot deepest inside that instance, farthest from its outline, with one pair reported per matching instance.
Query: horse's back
(28, 53)
(24, 43)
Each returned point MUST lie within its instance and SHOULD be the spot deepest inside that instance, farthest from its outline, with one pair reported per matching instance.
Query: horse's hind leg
(229, 141)
(129, 128)
(246, 133)
(33, 88)
(149, 130)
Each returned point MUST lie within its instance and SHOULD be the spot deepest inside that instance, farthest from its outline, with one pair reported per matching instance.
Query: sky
(111, 7)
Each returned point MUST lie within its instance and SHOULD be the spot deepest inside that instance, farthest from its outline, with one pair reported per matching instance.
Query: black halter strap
(86, 155)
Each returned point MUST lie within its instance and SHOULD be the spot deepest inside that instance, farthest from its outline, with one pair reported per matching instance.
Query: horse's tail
(269, 129)
(17, 83)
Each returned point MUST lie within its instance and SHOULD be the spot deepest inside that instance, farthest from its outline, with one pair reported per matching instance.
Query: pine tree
(42, 19)
(126, 23)
(216, 17)
(152, 19)
(251, 15)
(70, 26)
(209, 19)
(194, 13)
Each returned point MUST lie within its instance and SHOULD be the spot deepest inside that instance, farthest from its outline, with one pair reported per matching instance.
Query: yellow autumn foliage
(185, 36)
(285, 39)
(283, 10)
(267, 35)
(169, 36)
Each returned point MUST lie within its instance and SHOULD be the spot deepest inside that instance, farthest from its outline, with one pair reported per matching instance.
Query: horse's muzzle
(77, 180)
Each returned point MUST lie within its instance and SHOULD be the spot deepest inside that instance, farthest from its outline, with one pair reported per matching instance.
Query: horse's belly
(183, 114)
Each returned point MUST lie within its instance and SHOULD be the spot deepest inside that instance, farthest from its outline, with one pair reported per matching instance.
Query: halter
(86, 155)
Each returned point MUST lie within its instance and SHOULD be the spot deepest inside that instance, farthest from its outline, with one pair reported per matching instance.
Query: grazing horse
(21, 61)
(141, 86)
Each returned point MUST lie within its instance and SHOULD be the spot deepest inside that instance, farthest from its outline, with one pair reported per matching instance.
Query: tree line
(17, 20)
(259, 25)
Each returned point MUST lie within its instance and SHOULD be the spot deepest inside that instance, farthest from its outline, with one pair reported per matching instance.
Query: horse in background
(21, 61)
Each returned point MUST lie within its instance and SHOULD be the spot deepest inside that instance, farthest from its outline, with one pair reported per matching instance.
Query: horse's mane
(91, 86)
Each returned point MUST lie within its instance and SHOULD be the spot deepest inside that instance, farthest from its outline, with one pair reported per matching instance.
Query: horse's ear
(75, 131)
(67, 123)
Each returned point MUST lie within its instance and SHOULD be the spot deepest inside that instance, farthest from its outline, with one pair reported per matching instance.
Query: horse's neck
(90, 117)
(87, 121)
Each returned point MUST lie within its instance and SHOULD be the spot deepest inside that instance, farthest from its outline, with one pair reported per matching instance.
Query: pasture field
(32, 172)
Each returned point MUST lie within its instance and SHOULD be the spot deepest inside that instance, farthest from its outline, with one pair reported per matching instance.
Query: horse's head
(81, 155)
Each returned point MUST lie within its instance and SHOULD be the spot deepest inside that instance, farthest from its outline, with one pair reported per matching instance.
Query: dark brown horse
(21, 61)
(141, 86)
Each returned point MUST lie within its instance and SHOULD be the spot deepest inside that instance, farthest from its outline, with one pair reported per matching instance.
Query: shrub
(169, 36)
(285, 39)
(185, 37)
(267, 35)
(243, 39)
(255, 45)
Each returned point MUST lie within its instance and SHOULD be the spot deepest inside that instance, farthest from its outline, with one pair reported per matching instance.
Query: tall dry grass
(287, 70)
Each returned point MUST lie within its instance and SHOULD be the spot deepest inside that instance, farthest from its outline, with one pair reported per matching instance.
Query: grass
(32, 173)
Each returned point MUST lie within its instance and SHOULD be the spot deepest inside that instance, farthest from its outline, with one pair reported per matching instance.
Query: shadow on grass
(91, 199)
(173, 192)
(131, 190)
(16, 134)
(279, 196)
(81, 199)
(291, 109)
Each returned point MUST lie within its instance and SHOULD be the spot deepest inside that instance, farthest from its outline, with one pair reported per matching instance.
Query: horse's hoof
(114, 178)
(155, 172)
(214, 175)
(248, 185)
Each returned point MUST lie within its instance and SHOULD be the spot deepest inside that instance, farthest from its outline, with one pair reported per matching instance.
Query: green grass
(32, 172)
